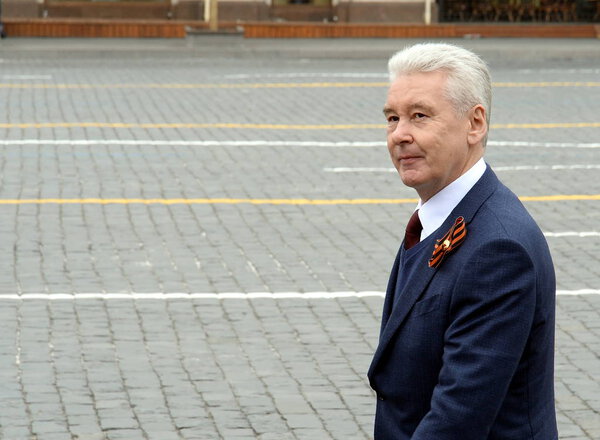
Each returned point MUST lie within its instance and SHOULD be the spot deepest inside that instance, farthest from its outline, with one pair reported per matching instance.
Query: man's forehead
(417, 90)
(397, 103)
(421, 83)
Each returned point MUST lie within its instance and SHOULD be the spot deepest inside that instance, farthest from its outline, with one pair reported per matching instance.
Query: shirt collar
(434, 211)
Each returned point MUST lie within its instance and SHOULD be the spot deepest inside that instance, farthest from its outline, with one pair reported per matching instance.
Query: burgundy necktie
(413, 231)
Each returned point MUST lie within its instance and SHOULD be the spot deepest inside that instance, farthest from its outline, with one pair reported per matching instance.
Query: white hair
(468, 83)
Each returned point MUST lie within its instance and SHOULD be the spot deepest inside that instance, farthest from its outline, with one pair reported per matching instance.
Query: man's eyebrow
(421, 105)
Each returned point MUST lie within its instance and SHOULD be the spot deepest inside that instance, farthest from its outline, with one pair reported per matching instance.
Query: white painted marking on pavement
(543, 144)
(579, 292)
(224, 295)
(360, 170)
(176, 295)
(249, 143)
(258, 143)
(27, 77)
(500, 168)
(556, 70)
(309, 75)
(572, 234)
(547, 167)
(385, 75)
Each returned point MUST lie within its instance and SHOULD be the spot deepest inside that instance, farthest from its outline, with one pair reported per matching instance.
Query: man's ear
(477, 125)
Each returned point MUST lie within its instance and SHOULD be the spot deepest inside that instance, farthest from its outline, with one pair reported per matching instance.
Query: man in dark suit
(466, 347)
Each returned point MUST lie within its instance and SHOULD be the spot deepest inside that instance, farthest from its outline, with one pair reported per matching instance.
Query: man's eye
(391, 119)
(420, 115)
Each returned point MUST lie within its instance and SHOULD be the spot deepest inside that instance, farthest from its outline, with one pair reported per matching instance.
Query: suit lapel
(390, 291)
(404, 298)
(414, 287)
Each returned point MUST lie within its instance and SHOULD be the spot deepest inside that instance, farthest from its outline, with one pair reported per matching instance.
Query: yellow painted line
(279, 85)
(269, 126)
(191, 125)
(550, 125)
(282, 85)
(227, 201)
(548, 84)
(216, 201)
(560, 198)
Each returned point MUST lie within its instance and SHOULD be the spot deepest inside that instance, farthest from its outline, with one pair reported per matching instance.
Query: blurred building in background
(344, 11)
(556, 11)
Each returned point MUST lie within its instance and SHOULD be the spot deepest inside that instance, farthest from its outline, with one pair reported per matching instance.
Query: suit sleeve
(490, 319)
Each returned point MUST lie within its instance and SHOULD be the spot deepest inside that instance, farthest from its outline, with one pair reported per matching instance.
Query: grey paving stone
(15, 433)
(237, 368)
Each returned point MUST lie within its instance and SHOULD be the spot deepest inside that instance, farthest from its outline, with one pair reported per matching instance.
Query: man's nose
(402, 133)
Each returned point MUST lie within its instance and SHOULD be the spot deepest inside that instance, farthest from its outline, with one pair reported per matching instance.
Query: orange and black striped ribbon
(450, 241)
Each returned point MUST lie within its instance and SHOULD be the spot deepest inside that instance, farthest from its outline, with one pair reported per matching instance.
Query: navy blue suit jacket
(466, 352)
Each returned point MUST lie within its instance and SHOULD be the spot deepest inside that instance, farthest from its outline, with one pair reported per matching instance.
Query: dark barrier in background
(539, 11)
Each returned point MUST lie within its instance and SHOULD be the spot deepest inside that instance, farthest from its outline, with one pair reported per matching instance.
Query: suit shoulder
(503, 216)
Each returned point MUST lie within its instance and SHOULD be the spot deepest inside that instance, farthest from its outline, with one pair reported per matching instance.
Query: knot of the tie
(413, 231)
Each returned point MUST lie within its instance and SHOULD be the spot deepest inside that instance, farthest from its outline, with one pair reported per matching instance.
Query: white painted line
(543, 144)
(225, 295)
(385, 75)
(572, 234)
(177, 295)
(555, 70)
(27, 77)
(360, 170)
(579, 292)
(310, 75)
(258, 143)
(507, 168)
(265, 143)
(547, 167)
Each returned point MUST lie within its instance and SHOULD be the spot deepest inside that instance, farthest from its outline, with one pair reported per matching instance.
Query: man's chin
(410, 179)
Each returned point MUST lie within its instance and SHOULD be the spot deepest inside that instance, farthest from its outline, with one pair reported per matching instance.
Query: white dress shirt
(434, 211)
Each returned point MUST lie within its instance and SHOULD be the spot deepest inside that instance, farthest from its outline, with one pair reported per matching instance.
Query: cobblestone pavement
(212, 311)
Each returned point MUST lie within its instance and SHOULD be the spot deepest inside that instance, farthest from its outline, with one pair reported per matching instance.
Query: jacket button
(380, 397)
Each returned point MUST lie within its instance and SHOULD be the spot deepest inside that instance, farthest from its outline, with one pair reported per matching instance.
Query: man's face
(429, 143)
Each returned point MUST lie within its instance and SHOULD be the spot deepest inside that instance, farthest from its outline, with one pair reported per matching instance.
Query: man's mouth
(408, 159)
